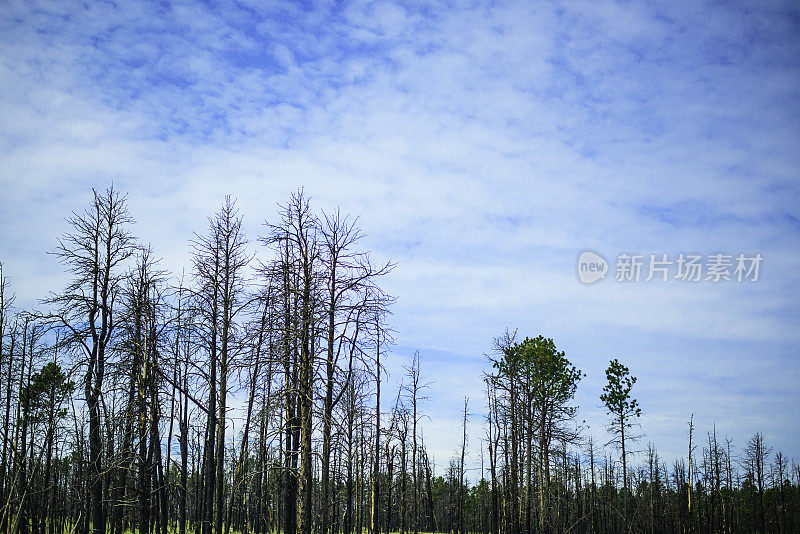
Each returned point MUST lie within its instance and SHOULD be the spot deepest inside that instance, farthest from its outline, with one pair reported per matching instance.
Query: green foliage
(617, 393)
(47, 390)
(548, 375)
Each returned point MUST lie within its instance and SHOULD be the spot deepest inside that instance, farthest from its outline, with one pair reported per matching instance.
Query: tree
(536, 383)
(550, 382)
(42, 399)
(7, 360)
(506, 382)
(94, 254)
(350, 295)
(297, 242)
(492, 440)
(376, 452)
(756, 454)
(623, 409)
(461, 469)
(144, 323)
(220, 260)
(414, 389)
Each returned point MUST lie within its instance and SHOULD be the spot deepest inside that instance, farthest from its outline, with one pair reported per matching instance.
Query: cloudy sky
(483, 145)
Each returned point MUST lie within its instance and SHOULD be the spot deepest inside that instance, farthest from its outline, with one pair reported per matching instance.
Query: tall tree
(623, 410)
(349, 296)
(461, 468)
(143, 303)
(220, 262)
(7, 360)
(537, 384)
(756, 454)
(94, 254)
(415, 387)
(550, 382)
(296, 240)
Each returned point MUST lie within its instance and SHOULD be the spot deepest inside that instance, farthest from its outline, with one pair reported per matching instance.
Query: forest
(243, 395)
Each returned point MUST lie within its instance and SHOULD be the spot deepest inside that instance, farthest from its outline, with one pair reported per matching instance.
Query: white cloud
(482, 146)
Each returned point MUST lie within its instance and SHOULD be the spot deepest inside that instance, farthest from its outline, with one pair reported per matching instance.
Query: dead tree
(94, 253)
(220, 261)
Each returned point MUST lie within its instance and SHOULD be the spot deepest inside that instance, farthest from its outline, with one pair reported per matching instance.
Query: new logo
(591, 267)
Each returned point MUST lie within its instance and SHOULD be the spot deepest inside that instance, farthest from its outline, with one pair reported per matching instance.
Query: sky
(483, 146)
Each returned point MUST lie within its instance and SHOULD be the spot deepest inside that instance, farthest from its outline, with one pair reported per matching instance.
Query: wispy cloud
(483, 145)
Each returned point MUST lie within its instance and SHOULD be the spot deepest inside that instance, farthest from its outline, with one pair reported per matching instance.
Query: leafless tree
(94, 253)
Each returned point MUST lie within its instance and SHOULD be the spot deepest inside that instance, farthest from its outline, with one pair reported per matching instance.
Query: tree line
(546, 475)
(244, 395)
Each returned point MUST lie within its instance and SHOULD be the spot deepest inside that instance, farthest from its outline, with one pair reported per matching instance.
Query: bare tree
(94, 253)
(414, 388)
(7, 359)
(220, 261)
(350, 295)
(461, 469)
(756, 454)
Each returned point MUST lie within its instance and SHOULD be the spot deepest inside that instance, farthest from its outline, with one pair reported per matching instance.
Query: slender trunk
(389, 479)
(377, 451)
(461, 471)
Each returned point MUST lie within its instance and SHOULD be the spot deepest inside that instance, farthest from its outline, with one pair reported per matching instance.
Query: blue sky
(483, 145)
